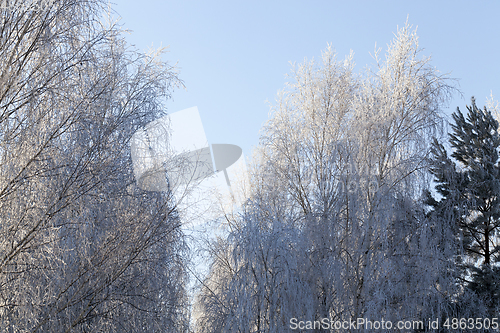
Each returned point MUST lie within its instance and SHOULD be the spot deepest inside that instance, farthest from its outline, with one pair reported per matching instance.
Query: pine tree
(469, 185)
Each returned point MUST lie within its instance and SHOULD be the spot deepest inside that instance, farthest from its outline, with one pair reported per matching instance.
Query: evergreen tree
(470, 189)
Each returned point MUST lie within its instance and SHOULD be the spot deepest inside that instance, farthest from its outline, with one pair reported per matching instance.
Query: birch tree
(335, 227)
(81, 249)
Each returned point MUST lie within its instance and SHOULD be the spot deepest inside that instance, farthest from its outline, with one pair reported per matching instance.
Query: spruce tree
(469, 186)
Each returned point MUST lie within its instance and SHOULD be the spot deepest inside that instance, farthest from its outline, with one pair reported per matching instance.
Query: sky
(233, 56)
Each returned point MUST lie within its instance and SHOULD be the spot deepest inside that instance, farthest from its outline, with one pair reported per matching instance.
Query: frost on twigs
(80, 248)
(335, 227)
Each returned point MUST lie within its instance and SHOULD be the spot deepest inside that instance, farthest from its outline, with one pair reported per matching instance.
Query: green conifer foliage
(469, 184)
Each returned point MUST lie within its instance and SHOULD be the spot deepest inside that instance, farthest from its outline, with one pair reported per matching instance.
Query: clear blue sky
(233, 55)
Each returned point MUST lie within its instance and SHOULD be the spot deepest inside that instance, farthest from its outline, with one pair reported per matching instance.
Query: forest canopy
(81, 248)
(361, 205)
(342, 223)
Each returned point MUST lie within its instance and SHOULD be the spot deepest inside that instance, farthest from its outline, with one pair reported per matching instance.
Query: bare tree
(81, 248)
(335, 227)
